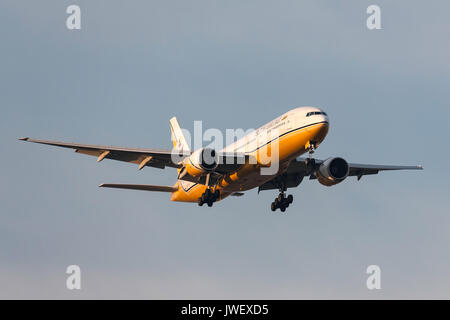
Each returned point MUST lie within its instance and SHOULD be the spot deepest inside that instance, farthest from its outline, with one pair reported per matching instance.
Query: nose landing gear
(311, 146)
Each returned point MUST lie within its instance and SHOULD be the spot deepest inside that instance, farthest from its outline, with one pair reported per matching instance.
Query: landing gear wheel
(209, 197)
(281, 201)
(273, 206)
(290, 198)
(280, 197)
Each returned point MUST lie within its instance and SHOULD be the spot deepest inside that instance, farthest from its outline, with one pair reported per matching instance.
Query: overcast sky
(232, 64)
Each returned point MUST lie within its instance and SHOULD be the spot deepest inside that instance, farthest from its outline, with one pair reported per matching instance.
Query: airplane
(207, 176)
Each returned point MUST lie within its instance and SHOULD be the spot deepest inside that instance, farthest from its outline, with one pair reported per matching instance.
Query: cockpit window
(313, 113)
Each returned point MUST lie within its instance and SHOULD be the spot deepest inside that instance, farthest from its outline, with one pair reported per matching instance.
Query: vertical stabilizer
(178, 139)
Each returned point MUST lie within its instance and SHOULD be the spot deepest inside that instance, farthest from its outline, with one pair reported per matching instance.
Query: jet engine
(332, 171)
(202, 161)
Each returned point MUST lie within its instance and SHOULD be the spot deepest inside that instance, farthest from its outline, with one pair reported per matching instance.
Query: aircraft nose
(324, 126)
(322, 129)
(324, 118)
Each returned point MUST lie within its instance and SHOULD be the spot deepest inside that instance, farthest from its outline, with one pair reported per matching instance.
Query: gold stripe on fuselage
(290, 145)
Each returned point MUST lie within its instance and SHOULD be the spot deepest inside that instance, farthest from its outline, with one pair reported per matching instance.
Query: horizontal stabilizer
(144, 187)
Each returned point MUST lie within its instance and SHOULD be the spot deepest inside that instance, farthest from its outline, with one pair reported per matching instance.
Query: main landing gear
(281, 202)
(209, 197)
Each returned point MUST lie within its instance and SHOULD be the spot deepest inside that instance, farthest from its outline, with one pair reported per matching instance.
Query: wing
(146, 157)
(359, 170)
(298, 169)
(144, 187)
(142, 157)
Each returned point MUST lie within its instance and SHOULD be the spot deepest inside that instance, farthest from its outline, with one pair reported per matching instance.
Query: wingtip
(24, 139)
